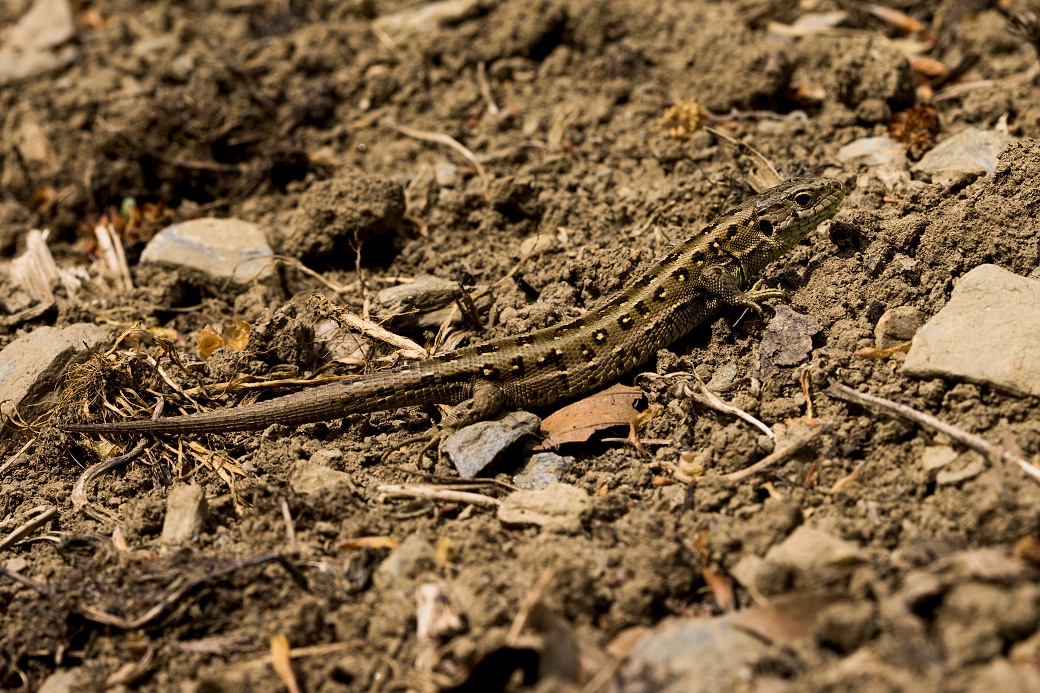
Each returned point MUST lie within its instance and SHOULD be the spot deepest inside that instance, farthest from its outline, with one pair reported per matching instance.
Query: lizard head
(777, 219)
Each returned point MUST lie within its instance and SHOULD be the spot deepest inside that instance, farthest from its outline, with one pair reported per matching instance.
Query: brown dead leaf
(209, 341)
(369, 543)
(280, 660)
(899, 20)
(874, 354)
(576, 422)
(237, 334)
(786, 618)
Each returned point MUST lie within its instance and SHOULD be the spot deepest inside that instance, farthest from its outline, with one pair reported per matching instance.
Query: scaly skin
(712, 267)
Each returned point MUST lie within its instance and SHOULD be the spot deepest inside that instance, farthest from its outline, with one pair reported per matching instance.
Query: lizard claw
(433, 438)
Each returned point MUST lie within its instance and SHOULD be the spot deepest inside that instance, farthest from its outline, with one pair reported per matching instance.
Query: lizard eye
(803, 199)
(765, 226)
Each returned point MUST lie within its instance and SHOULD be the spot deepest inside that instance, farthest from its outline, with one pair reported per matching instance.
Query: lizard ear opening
(765, 226)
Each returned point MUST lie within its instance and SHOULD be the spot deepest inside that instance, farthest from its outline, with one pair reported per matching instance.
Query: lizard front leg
(719, 282)
(487, 400)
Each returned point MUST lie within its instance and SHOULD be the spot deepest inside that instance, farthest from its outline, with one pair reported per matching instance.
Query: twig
(771, 176)
(485, 88)
(441, 138)
(433, 493)
(18, 456)
(79, 491)
(532, 599)
(290, 526)
(321, 305)
(776, 457)
(980, 445)
(710, 399)
(47, 513)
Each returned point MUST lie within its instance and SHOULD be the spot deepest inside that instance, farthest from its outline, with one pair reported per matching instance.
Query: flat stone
(221, 249)
(27, 48)
(897, 326)
(472, 448)
(967, 467)
(63, 681)
(972, 150)
(986, 334)
(936, 457)
(312, 478)
(872, 151)
(560, 508)
(186, 512)
(413, 557)
(692, 655)
(424, 303)
(786, 341)
(808, 559)
(543, 469)
(33, 367)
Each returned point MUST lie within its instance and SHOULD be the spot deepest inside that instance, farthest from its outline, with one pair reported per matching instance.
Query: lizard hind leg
(487, 400)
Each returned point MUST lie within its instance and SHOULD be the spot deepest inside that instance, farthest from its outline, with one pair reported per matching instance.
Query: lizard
(679, 291)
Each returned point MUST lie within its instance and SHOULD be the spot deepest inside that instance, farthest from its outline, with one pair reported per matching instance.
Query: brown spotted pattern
(713, 266)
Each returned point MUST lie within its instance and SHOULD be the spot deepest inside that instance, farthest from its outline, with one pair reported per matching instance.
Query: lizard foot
(753, 297)
(433, 438)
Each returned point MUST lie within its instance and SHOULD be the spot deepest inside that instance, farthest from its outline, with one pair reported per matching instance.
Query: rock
(897, 326)
(873, 151)
(413, 557)
(787, 341)
(423, 303)
(186, 512)
(335, 215)
(808, 559)
(426, 18)
(543, 469)
(1002, 675)
(972, 152)
(16, 564)
(312, 478)
(221, 249)
(557, 508)
(474, 447)
(446, 174)
(936, 457)
(693, 655)
(63, 681)
(421, 192)
(985, 334)
(32, 367)
(26, 49)
(965, 467)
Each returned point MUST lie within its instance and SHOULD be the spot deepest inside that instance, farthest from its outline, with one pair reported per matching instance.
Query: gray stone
(312, 478)
(897, 326)
(965, 467)
(474, 447)
(872, 151)
(557, 508)
(423, 303)
(542, 469)
(693, 655)
(413, 557)
(221, 249)
(987, 334)
(186, 512)
(970, 151)
(32, 367)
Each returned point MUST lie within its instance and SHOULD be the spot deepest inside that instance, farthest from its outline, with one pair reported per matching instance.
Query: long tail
(366, 393)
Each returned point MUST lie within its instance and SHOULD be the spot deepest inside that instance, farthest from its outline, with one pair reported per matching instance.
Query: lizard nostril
(765, 226)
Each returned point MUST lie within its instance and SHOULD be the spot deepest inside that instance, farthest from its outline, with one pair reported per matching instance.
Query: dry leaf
(369, 543)
(900, 20)
(280, 661)
(237, 334)
(576, 422)
(874, 354)
(209, 341)
(786, 618)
